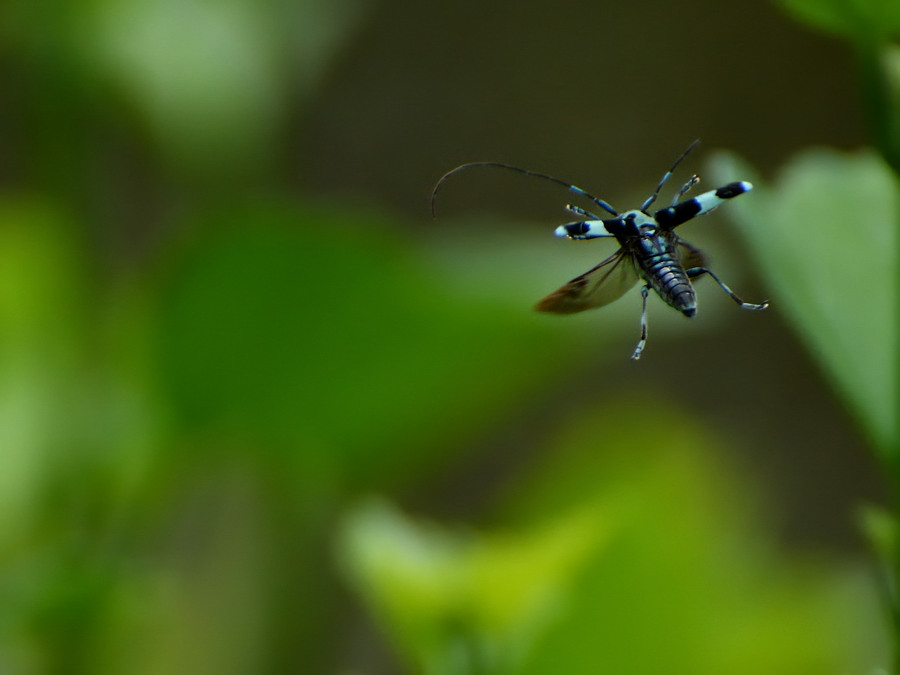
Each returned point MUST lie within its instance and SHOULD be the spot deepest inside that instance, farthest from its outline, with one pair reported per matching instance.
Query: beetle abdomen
(667, 277)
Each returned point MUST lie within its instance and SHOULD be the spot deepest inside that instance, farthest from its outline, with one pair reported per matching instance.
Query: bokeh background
(260, 413)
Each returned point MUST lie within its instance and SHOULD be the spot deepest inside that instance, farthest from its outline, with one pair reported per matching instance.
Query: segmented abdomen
(667, 277)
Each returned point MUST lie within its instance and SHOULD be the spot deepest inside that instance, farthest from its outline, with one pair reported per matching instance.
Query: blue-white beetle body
(649, 249)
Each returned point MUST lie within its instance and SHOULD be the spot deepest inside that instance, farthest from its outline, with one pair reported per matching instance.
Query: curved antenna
(667, 175)
(577, 190)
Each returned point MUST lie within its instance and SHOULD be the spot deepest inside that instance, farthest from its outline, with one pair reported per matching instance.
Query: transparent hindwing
(597, 287)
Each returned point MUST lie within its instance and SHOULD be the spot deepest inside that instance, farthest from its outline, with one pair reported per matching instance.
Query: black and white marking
(650, 251)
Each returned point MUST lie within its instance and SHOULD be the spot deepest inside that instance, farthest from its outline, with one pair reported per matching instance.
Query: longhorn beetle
(649, 251)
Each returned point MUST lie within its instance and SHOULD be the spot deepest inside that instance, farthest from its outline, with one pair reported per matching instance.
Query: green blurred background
(260, 414)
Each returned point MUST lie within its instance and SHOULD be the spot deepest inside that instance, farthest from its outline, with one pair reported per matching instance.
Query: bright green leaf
(632, 550)
(458, 602)
(42, 291)
(824, 234)
(689, 583)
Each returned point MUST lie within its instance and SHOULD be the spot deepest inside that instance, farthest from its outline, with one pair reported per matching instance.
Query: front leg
(583, 229)
(682, 212)
(578, 211)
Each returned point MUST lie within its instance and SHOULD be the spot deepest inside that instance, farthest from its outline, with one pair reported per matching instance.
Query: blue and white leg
(645, 291)
(690, 208)
(590, 228)
(583, 229)
(695, 272)
(714, 198)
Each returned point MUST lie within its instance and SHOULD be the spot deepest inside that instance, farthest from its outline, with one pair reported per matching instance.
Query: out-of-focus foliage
(279, 357)
(204, 372)
(827, 239)
(208, 81)
(627, 551)
(825, 235)
(872, 28)
(465, 602)
(320, 330)
(872, 20)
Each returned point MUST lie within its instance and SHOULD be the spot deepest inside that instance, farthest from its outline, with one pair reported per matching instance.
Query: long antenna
(667, 175)
(577, 190)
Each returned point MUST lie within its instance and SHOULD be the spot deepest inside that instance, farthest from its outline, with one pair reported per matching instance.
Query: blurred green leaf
(880, 528)
(637, 553)
(689, 584)
(869, 20)
(73, 431)
(459, 602)
(42, 298)
(824, 234)
(322, 334)
(197, 603)
(211, 81)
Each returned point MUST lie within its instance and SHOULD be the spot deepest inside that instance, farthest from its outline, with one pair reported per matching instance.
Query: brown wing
(599, 286)
(690, 256)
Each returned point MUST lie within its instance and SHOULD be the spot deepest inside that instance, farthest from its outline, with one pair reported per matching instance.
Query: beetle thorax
(644, 235)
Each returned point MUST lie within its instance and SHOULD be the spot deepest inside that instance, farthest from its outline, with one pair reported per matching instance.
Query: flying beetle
(649, 250)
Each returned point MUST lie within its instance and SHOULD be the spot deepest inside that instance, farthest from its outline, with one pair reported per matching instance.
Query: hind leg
(695, 272)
